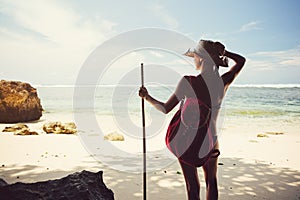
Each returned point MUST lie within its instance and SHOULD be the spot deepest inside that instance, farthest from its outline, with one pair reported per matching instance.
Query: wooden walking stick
(144, 139)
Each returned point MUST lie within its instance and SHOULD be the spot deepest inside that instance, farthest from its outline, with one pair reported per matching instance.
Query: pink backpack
(188, 136)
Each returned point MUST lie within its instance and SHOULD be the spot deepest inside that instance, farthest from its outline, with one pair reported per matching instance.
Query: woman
(209, 89)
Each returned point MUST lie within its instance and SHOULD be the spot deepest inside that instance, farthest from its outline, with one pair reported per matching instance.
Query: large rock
(84, 186)
(19, 102)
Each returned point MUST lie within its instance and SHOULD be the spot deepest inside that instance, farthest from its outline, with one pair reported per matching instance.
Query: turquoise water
(263, 101)
(241, 101)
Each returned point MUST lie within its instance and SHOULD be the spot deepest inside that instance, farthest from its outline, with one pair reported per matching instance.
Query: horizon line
(247, 85)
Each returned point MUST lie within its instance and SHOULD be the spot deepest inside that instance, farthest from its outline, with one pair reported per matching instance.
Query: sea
(246, 101)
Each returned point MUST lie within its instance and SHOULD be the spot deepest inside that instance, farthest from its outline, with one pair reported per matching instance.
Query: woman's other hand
(143, 92)
(219, 48)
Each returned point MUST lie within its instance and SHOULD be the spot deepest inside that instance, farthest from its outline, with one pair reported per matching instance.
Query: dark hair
(216, 51)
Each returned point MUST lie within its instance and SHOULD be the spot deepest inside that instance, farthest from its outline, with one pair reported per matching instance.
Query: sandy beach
(250, 167)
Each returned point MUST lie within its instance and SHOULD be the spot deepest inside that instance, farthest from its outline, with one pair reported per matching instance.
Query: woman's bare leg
(191, 180)
(210, 174)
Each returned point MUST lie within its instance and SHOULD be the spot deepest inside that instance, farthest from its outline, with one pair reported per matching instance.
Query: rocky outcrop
(16, 127)
(84, 186)
(19, 129)
(25, 132)
(114, 136)
(50, 127)
(60, 128)
(19, 102)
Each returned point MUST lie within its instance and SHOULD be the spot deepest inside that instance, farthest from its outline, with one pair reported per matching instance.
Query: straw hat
(208, 48)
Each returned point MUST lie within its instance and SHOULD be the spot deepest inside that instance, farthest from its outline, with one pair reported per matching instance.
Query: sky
(46, 42)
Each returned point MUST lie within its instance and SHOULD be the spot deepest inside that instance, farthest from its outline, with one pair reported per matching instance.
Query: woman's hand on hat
(143, 92)
(220, 48)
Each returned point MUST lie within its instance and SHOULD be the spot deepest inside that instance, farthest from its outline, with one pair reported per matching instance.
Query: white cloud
(57, 21)
(254, 25)
(47, 36)
(164, 15)
(275, 59)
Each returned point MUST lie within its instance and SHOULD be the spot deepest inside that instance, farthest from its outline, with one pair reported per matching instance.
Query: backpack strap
(190, 79)
(183, 100)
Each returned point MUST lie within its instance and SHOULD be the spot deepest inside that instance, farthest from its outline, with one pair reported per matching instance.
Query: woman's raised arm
(229, 76)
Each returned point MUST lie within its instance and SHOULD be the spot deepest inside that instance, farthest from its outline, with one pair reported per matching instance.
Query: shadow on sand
(238, 179)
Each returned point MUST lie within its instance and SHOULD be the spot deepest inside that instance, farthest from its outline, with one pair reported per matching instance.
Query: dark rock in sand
(2, 183)
(19, 102)
(84, 186)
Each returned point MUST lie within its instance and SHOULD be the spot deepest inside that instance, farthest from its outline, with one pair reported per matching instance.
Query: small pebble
(18, 177)
(254, 141)
(178, 172)
(3, 165)
(262, 135)
(275, 133)
(220, 163)
(165, 171)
